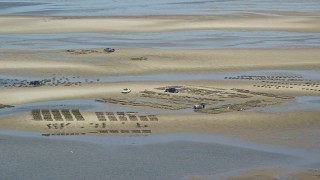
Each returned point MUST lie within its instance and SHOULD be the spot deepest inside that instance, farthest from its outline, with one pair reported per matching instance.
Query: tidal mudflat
(192, 90)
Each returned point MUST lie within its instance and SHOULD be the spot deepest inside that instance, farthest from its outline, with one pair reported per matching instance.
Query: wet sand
(273, 174)
(47, 25)
(97, 63)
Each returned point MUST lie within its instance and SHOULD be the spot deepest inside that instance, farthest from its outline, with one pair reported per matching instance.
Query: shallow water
(305, 74)
(85, 105)
(313, 75)
(151, 7)
(300, 103)
(199, 39)
(168, 138)
(156, 157)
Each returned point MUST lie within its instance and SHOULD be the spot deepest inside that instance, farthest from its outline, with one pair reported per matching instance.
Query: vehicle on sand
(109, 50)
(199, 106)
(126, 91)
(171, 90)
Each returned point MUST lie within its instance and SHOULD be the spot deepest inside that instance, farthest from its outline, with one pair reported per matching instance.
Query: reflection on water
(85, 105)
(198, 39)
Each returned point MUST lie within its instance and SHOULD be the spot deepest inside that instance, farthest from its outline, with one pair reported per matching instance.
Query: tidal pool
(85, 105)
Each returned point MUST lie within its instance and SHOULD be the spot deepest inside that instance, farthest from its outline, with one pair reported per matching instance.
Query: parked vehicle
(35, 83)
(126, 91)
(199, 106)
(109, 50)
(171, 90)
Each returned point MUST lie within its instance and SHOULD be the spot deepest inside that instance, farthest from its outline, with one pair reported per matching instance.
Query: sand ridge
(158, 61)
(47, 25)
